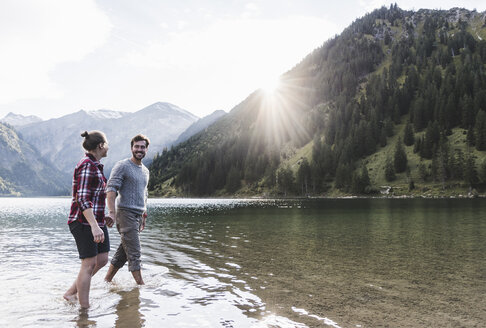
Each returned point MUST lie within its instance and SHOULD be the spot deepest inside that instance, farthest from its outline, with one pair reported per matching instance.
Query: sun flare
(280, 118)
(270, 85)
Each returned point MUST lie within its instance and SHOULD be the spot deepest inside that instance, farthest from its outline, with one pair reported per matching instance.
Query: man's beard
(135, 153)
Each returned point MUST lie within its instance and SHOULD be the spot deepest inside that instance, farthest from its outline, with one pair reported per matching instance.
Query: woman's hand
(98, 234)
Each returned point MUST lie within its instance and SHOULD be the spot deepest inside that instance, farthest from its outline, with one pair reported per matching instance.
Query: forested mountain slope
(399, 97)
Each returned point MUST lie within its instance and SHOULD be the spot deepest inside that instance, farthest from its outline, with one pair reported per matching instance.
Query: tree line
(389, 68)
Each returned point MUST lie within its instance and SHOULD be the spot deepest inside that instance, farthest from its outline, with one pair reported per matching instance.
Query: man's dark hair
(140, 137)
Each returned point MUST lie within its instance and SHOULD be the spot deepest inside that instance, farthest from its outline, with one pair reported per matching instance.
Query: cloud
(251, 10)
(217, 66)
(229, 43)
(38, 35)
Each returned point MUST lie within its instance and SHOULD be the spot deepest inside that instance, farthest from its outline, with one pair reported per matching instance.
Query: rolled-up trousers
(128, 225)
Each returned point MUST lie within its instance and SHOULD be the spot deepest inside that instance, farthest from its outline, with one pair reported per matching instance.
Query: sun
(270, 85)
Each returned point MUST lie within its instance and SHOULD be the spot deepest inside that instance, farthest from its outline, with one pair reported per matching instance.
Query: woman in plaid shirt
(87, 220)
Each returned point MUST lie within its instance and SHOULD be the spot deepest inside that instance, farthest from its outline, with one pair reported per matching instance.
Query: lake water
(257, 263)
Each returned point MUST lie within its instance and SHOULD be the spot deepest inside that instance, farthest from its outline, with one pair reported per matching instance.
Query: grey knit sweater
(130, 181)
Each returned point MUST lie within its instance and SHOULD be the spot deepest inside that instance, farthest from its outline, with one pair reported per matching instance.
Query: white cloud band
(38, 35)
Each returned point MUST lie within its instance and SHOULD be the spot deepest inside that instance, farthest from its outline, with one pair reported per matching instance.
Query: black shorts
(85, 240)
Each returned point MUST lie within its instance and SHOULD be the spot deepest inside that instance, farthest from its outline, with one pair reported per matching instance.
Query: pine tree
(482, 172)
(304, 175)
(470, 174)
(285, 180)
(467, 108)
(442, 161)
(270, 177)
(411, 183)
(418, 114)
(233, 182)
(408, 137)
(360, 181)
(417, 146)
(365, 178)
(430, 140)
(457, 166)
(423, 172)
(471, 138)
(383, 138)
(388, 127)
(389, 170)
(343, 176)
(399, 157)
(480, 130)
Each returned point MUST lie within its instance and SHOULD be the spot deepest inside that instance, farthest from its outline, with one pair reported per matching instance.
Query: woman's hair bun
(92, 139)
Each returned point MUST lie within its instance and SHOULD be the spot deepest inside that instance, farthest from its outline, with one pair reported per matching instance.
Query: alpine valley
(395, 104)
(38, 157)
(59, 139)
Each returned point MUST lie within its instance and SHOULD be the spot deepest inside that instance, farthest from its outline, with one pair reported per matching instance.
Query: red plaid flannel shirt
(88, 190)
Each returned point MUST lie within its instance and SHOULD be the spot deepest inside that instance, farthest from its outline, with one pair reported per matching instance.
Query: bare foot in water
(70, 297)
(71, 294)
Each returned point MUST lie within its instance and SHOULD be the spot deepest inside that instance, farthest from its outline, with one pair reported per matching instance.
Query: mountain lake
(257, 263)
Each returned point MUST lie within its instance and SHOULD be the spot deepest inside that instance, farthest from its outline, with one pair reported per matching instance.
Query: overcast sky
(60, 56)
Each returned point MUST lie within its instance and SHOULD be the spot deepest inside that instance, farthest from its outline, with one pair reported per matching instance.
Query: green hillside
(396, 103)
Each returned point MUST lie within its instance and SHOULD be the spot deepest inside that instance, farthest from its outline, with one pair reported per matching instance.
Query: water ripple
(256, 263)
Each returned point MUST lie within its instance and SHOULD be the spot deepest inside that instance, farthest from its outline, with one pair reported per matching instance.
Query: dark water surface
(258, 263)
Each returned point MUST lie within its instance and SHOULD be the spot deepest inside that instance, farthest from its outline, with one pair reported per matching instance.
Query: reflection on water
(128, 309)
(257, 263)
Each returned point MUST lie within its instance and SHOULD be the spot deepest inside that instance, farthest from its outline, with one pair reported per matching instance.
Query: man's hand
(110, 221)
(144, 218)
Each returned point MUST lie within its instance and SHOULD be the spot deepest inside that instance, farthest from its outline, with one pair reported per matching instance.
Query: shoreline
(277, 197)
(242, 197)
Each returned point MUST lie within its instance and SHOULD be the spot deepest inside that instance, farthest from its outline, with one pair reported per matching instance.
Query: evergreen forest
(396, 102)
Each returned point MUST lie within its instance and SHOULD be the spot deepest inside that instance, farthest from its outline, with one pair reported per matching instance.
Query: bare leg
(120, 258)
(83, 282)
(112, 270)
(137, 275)
(101, 260)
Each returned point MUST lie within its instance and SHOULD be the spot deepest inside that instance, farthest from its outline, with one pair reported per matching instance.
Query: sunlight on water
(256, 263)
(39, 262)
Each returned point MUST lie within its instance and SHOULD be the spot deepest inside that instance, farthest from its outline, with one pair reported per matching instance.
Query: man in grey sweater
(128, 180)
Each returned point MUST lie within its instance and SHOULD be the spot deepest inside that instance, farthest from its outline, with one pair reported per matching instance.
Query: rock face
(59, 139)
(23, 172)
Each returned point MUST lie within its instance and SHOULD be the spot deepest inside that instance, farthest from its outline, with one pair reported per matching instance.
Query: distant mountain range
(17, 120)
(56, 143)
(59, 139)
(199, 126)
(24, 172)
